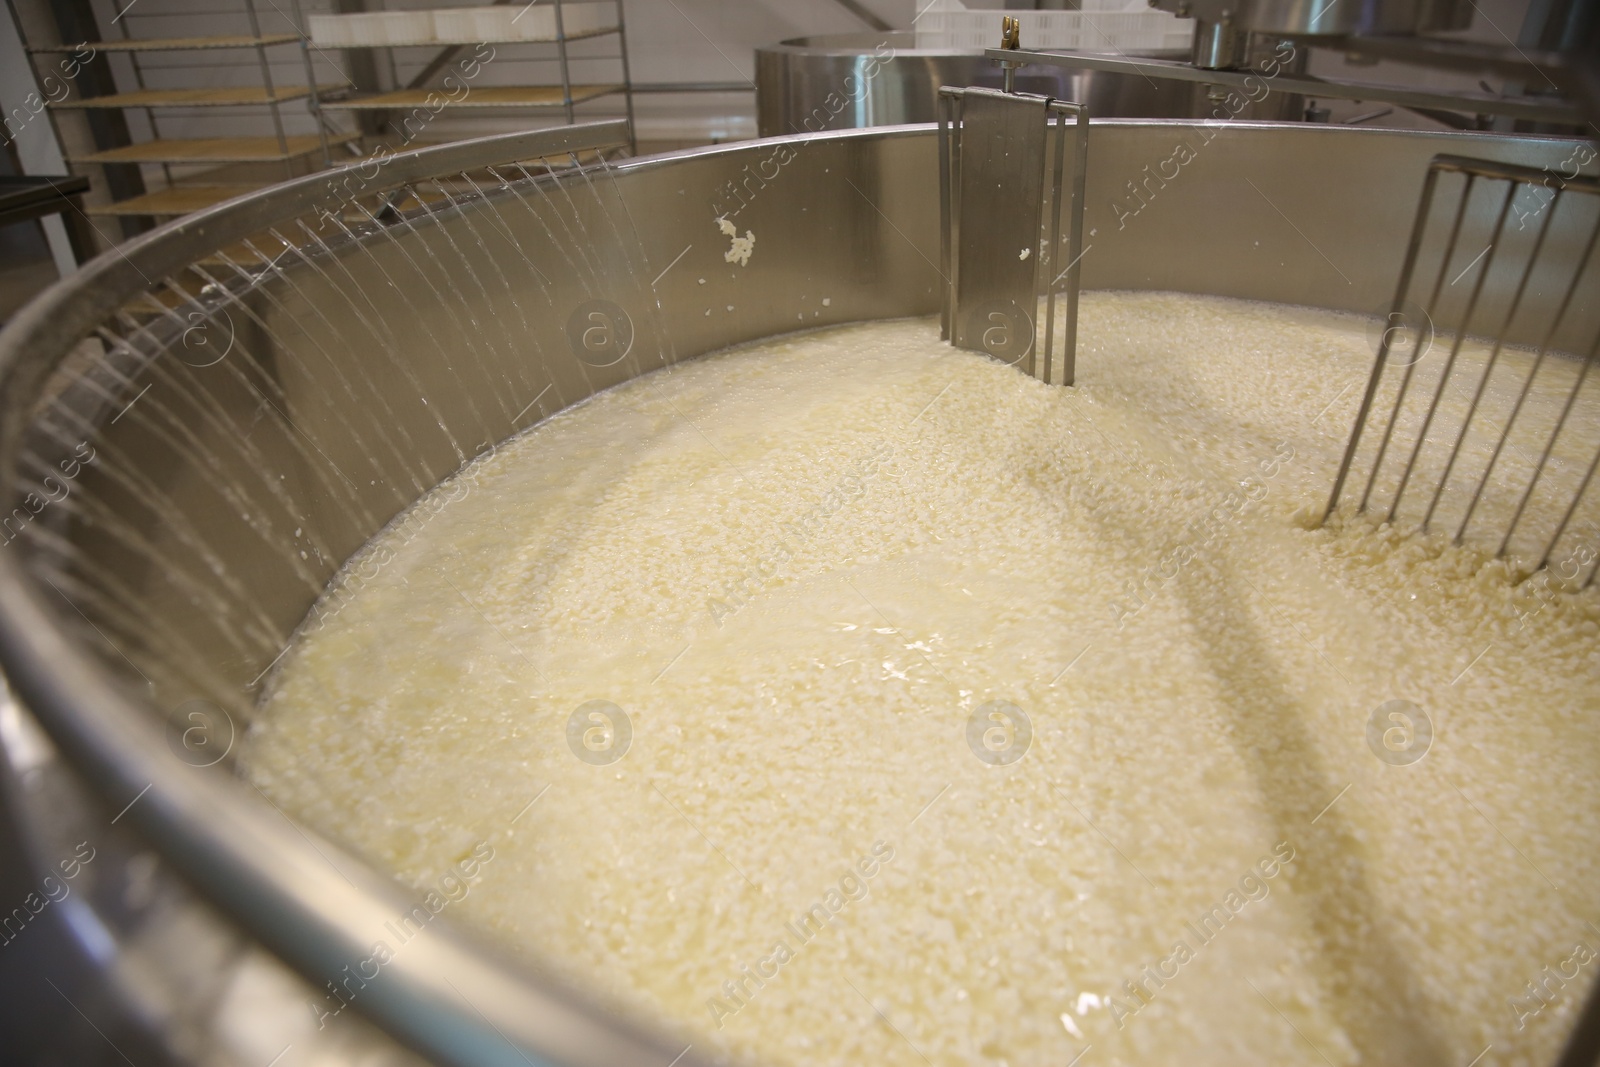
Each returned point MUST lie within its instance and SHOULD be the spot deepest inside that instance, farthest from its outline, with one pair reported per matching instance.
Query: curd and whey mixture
(849, 699)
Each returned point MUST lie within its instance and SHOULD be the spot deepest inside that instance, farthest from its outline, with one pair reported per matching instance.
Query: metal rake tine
(1588, 475)
(1527, 387)
(1455, 351)
(1401, 288)
(1488, 370)
(1433, 302)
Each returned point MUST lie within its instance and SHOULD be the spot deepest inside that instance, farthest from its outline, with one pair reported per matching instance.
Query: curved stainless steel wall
(177, 542)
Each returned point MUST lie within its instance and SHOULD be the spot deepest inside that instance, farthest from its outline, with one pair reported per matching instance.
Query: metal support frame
(569, 103)
(74, 20)
(443, 58)
(627, 79)
(566, 73)
(138, 81)
(314, 101)
(266, 83)
(1001, 320)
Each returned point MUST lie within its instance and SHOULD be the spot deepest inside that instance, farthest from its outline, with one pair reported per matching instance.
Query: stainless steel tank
(183, 475)
(855, 80)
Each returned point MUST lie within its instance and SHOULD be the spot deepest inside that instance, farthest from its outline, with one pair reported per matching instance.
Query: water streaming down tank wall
(246, 444)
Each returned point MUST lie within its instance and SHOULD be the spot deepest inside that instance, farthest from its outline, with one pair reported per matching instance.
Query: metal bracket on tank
(1001, 179)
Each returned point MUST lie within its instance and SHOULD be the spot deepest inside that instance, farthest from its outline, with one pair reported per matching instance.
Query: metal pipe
(1069, 353)
(947, 102)
(1478, 103)
(1050, 244)
(566, 74)
(315, 101)
(273, 104)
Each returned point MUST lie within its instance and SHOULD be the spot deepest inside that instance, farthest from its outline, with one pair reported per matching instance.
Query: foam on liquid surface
(800, 567)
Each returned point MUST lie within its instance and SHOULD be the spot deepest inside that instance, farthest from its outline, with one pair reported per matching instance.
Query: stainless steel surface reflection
(192, 546)
(109, 957)
(854, 80)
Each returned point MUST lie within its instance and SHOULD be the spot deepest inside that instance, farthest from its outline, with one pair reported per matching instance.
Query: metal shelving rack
(179, 199)
(566, 96)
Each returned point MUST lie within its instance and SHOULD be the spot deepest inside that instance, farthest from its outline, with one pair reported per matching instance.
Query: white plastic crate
(1102, 26)
(515, 22)
(372, 29)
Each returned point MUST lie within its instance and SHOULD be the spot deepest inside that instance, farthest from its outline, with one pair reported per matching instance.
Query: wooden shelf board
(443, 42)
(226, 97)
(177, 44)
(172, 201)
(213, 150)
(488, 96)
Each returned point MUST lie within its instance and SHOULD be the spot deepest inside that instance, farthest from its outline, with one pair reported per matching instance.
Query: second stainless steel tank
(855, 80)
